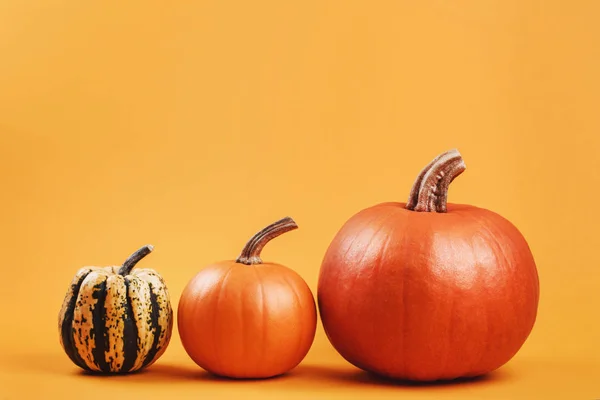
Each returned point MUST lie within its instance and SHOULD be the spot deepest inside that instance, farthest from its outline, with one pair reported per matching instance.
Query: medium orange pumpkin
(247, 318)
(426, 290)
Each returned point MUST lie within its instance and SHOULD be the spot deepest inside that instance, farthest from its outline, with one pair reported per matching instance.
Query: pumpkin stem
(251, 253)
(134, 258)
(430, 190)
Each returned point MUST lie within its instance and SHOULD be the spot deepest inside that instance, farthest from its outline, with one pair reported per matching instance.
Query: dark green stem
(134, 258)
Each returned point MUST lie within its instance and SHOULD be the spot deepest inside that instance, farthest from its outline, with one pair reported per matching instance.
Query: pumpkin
(426, 290)
(248, 318)
(115, 320)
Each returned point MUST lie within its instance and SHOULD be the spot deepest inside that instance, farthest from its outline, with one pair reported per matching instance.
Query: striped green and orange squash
(115, 319)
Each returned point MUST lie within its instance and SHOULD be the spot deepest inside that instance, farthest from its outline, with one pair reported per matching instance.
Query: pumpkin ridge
(262, 314)
(215, 315)
(485, 223)
(130, 332)
(445, 359)
(168, 318)
(99, 318)
(490, 238)
(507, 261)
(243, 327)
(402, 337)
(354, 239)
(297, 297)
(379, 219)
(113, 323)
(140, 303)
(156, 327)
(83, 321)
(382, 251)
(381, 222)
(67, 330)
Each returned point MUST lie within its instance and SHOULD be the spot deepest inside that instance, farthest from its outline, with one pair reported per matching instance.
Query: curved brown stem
(134, 258)
(413, 197)
(251, 253)
(430, 190)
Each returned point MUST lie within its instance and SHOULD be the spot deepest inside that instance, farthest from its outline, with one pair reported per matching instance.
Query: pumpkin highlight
(248, 318)
(426, 290)
(115, 320)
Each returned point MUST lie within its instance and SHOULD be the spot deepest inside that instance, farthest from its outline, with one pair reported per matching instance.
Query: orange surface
(190, 126)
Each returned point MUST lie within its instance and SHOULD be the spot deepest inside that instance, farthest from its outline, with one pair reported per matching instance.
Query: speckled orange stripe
(114, 325)
(139, 296)
(83, 323)
(71, 292)
(165, 313)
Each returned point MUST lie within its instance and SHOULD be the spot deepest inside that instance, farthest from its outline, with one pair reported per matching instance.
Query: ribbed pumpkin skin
(247, 321)
(428, 296)
(115, 324)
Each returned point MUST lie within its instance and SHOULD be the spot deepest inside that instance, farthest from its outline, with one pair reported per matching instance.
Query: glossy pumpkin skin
(247, 321)
(428, 296)
(110, 323)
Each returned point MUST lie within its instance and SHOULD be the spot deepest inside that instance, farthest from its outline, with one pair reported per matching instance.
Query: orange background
(191, 125)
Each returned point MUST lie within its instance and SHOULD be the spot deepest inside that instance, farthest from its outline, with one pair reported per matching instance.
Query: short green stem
(134, 259)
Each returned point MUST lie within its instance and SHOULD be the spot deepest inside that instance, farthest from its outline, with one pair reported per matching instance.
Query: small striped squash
(115, 320)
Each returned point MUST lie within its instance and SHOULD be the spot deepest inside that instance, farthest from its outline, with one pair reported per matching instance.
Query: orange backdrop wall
(191, 125)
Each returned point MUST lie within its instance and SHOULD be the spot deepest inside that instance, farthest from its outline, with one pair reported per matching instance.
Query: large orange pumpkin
(247, 318)
(426, 290)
